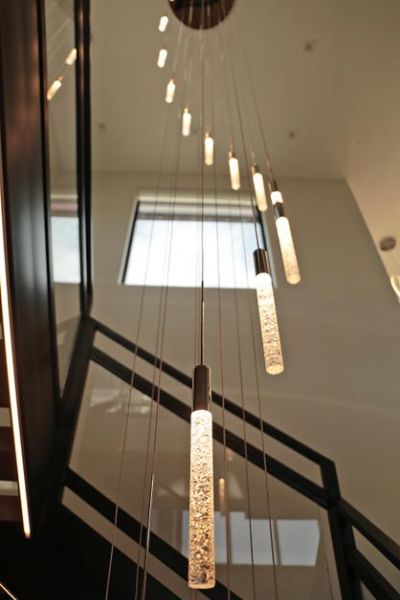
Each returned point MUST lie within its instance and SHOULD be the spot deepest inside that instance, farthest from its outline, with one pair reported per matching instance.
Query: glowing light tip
(186, 122)
(276, 197)
(54, 88)
(208, 149)
(288, 251)
(71, 58)
(170, 94)
(163, 24)
(234, 171)
(259, 188)
(162, 58)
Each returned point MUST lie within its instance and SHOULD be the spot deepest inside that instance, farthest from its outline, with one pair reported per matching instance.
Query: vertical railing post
(341, 533)
(83, 131)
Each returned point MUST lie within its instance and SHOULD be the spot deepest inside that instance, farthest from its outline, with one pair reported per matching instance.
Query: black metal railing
(353, 568)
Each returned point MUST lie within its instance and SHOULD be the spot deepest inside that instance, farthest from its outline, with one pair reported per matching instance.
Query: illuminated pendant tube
(170, 94)
(162, 58)
(201, 574)
(186, 122)
(71, 58)
(54, 88)
(288, 251)
(259, 188)
(268, 318)
(234, 171)
(163, 24)
(208, 149)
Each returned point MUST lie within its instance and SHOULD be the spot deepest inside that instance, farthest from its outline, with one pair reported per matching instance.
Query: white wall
(340, 332)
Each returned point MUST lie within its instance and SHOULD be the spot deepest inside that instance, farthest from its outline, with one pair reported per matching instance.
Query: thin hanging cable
(130, 398)
(221, 359)
(221, 343)
(260, 413)
(149, 433)
(241, 382)
(157, 386)
(255, 101)
(202, 304)
(155, 435)
(241, 129)
(230, 127)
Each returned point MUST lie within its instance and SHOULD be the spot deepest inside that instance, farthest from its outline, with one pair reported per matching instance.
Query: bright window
(296, 541)
(165, 246)
(65, 245)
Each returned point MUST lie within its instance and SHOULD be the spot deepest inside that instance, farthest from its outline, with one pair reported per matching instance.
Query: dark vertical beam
(23, 191)
(342, 535)
(47, 189)
(83, 137)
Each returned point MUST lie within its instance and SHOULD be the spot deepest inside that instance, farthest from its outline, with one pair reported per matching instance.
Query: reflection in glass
(64, 224)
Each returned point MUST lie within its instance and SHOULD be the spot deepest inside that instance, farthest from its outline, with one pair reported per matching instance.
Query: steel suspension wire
(242, 136)
(156, 386)
(230, 127)
(221, 354)
(255, 220)
(254, 211)
(241, 382)
(131, 393)
(255, 103)
(260, 413)
(125, 432)
(202, 298)
(149, 433)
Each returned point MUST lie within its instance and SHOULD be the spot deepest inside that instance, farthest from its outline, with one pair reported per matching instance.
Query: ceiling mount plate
(201, 14)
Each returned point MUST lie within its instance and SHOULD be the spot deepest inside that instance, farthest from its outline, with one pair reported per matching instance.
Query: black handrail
(298, 482)
(371, 532)
(131, 527)
(230, 406)
(352, 566)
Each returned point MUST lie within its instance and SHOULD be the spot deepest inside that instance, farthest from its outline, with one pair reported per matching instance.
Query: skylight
(165, 246)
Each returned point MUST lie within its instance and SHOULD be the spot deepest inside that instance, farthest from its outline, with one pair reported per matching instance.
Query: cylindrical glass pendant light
(208, 149)
(268, 318)
(54, 88)
(186, 122)
(259, 188)
(170, 93)
(162, 58)
(288, 251)
(201, 507)
(71, 58)
(234, 171)
(163, 24)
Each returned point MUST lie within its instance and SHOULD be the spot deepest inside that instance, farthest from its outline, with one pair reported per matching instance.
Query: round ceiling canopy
(201, 14)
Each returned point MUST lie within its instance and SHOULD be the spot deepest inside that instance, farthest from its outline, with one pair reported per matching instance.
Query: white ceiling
(328, 113)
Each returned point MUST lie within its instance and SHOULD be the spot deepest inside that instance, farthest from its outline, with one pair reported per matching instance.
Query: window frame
(186, 200)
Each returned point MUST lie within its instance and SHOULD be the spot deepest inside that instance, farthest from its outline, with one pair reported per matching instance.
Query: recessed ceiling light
(310, 45)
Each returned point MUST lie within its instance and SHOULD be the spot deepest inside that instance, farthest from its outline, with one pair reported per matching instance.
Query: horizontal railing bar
(285, 474)
(230, 406)
(371, 532)
(379, 587)
(167, 554)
